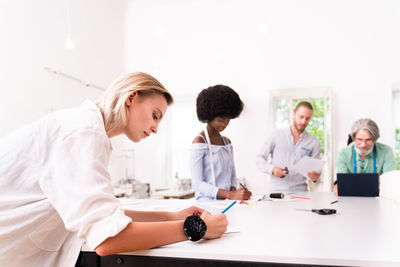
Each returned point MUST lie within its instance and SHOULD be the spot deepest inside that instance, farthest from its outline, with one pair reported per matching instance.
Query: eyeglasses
(366, 141)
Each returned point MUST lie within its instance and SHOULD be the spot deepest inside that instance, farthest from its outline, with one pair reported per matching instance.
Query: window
(283, 103)
(396, 112)
(397, 148)
(184, 127)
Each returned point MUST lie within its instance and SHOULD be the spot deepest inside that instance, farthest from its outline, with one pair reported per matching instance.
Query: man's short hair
(305, 104)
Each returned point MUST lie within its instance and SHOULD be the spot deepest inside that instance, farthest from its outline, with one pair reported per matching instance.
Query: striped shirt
(225, 175)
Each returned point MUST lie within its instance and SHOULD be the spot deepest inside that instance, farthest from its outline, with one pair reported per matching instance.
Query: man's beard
(298, 128)
(363, 153)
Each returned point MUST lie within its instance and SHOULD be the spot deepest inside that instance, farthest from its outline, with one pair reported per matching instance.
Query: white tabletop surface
(365, 232)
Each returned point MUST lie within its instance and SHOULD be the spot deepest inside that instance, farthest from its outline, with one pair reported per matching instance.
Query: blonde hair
(113, 103)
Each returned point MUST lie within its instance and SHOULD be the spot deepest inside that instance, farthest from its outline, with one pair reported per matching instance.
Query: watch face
(194, 228)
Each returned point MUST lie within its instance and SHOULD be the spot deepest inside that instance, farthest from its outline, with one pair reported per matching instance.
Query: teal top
(384, 160)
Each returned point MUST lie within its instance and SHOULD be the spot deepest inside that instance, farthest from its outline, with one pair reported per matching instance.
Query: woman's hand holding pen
(216, 224)
(240, 194)
(182, 214)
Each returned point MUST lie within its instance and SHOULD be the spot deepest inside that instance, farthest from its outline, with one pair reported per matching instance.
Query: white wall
(350, 46)
(32, 36)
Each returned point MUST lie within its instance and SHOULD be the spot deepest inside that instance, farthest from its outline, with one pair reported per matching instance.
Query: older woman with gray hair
(365, 154)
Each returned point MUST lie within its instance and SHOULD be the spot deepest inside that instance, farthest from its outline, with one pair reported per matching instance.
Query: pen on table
(333, 202)
(227, 208)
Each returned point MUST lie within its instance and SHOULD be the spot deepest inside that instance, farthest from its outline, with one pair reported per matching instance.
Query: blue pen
(227, 208)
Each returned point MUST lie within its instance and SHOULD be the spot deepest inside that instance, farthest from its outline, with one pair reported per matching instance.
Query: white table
(365, 232)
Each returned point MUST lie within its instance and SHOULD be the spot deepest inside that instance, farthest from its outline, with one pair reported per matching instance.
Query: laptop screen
(358, 184)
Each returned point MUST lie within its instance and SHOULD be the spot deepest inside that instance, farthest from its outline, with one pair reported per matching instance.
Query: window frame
(180, 100)
(309, 93)
(396, 121)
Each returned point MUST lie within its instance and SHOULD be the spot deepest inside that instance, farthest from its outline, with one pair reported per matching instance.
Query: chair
(390, 185)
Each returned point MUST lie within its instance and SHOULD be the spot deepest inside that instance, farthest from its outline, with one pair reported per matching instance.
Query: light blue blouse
(225, 175)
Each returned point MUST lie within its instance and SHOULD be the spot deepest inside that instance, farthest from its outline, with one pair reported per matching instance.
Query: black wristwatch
(194, 228)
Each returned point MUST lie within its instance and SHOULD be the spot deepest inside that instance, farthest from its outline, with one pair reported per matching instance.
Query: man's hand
(240, 194)
(314, 176)
(279, 172)
(335, 190)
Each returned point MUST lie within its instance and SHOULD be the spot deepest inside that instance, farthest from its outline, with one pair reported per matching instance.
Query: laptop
(358, 184)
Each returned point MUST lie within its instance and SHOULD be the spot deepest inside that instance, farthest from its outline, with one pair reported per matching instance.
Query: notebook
(358, 184)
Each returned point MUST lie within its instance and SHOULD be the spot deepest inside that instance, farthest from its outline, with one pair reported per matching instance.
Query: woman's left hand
(182, 214)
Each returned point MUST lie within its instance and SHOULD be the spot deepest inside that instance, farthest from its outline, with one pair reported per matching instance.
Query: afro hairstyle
(218, 101)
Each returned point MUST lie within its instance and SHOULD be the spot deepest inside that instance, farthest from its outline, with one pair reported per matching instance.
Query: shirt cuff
(107, 227)
(215, 192)
(269, 169)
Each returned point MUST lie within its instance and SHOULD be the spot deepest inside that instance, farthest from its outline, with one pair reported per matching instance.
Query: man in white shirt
(285, 147)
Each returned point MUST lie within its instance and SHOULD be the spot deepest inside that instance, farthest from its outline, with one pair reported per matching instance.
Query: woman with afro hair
(212, 167)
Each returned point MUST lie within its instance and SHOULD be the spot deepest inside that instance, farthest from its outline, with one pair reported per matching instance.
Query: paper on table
(307, 164)
(257, 197)
(285, 199)
(230, 230)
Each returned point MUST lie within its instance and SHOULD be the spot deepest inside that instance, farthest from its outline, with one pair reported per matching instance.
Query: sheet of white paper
(257, 197)
(307, 164)
(230, 230)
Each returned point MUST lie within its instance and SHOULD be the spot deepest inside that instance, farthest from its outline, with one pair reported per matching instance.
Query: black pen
(333, 202)
(243, 186)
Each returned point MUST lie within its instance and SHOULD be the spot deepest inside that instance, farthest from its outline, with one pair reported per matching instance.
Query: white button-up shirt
(55, 190)
(279, 151)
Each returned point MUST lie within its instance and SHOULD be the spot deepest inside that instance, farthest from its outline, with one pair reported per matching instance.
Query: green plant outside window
(397, 149)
